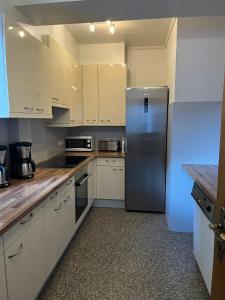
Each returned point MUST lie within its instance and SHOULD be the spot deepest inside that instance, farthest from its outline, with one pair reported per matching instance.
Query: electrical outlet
(61, 143)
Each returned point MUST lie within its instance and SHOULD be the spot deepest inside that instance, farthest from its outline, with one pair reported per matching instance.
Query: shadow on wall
(193, 137)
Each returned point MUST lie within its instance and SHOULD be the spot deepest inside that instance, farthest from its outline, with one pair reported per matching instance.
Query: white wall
(146, 67)
(171, 54)
(111, 53)
(200, 59)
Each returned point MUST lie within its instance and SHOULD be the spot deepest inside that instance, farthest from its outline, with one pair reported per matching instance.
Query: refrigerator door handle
(146, 103)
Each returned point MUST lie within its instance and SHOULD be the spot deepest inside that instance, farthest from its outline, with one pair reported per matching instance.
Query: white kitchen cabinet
(3, 288)
(92, 182)
(90, 93)
(112, 94)
(42, 78)
(59, 219)
(53, 231)
(25, 264)
(58, 73)
(203, 245)
(25, 78)
(111, 181)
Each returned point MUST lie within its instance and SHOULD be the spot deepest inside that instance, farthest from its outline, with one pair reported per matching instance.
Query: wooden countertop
(206, 176)
(25, 194)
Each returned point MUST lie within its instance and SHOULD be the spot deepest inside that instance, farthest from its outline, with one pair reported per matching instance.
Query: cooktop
(62, 161)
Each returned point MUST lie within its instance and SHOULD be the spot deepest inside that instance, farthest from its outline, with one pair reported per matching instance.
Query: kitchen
(185, 54)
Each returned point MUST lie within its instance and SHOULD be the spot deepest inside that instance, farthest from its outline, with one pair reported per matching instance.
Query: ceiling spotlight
(21, 34)
(10, 28)
(112, 29)
(92, 27)
(108, 22)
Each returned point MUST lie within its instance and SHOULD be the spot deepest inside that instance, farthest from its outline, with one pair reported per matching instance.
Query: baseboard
(109, 203)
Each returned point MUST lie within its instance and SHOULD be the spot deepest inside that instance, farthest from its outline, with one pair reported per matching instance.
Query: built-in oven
(79, 143)
(81, 183)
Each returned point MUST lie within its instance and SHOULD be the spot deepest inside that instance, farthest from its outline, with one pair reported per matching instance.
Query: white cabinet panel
(203, 245)
(92, 182)
(90, 93)
(42, 78)
(19, 62)
(25, 264)
(112, 94)
(3, 289)
(110, 182)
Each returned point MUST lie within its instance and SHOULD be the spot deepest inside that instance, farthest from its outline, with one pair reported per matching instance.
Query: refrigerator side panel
(146, 131)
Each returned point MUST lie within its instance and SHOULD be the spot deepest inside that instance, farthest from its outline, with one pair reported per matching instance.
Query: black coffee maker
(4, 174)
(22, 165)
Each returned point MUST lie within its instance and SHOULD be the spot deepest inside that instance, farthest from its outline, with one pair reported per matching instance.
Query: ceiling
(151, 33)
(46, 12)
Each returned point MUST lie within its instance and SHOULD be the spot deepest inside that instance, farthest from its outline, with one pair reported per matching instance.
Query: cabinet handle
(28, 108)
(87, 120)
(112, 161)
(40, 109)
(114, 169)
(30, 217)
(121, 169)
(108, 120)
(69, 182)
(58, 208)
(66, 200)
(56, 99)
(20, 249)
(93, 120)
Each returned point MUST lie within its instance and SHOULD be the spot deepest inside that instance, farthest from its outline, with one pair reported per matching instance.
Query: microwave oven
(79, 143)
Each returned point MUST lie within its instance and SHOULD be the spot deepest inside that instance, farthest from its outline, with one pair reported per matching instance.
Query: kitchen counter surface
(25, 194)
(206, 176)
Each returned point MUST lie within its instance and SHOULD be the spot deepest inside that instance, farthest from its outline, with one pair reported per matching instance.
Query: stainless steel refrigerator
(146, 133)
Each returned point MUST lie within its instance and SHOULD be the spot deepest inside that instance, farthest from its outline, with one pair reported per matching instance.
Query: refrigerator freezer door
(146, 131)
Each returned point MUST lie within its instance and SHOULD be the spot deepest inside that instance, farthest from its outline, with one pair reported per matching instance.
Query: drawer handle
(28, 108)
(108, 120)
(20, 249)
(93, 120)
(110, 160)
(40, 109)
(66, 200)
(58, 208)
(30, 217)
(69, 182)
(56, 99)
(114, 169)
(121, 169)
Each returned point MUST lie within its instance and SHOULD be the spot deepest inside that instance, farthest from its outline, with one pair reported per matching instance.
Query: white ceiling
(151, 33)
(51, 12)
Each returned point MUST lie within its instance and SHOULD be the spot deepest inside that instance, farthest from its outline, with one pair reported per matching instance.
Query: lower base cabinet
(25, 264)
(59, 220)
(3, 289)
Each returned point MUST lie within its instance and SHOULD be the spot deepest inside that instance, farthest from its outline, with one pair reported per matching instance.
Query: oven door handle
(83, 179)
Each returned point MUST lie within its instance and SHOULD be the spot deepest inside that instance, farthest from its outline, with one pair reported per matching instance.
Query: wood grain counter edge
(206, 176)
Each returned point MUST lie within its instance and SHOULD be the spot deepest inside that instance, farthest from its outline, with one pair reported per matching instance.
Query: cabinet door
(25, 264)
(42, 78)
(53, 232)
(77, 103)
(92, 182)
(110, 183)
(90, 94)
(3, 290)
(57, 72)
(68, 216)
(112, 94)
(19, 69)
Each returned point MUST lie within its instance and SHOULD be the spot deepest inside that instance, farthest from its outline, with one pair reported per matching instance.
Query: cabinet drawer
(111, 162)
(22, 226)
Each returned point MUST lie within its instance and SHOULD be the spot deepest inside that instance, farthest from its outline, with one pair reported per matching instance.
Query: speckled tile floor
(119, 255)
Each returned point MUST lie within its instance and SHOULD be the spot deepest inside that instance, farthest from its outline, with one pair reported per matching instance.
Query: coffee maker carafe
(22, 164)
(4, 175)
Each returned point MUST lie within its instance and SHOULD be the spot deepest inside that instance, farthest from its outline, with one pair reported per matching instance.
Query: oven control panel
(204, 202)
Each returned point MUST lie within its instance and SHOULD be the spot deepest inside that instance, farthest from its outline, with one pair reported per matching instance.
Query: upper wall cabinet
(90, 93)
(24, 73)
(112, 94)
(104, 90)
(72, 89)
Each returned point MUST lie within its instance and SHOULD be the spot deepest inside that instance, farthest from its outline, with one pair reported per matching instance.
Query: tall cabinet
(3, 289)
